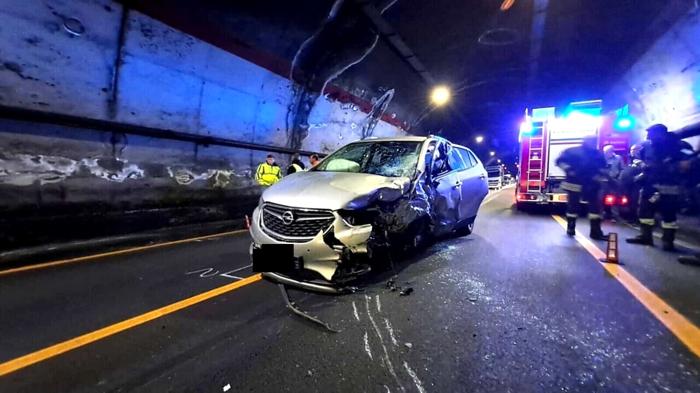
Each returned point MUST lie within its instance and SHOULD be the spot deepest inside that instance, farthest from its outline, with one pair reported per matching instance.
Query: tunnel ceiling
(497, 61)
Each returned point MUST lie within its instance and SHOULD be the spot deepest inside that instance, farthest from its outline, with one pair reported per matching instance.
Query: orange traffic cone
(612, 252)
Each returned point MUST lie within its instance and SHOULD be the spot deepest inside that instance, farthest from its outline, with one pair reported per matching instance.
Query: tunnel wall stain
(60, 183)
(166, 78)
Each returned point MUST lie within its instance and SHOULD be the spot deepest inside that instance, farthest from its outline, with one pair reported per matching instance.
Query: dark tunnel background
(121, 117)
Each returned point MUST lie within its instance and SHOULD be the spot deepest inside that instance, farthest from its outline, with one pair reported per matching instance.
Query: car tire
(467, 229)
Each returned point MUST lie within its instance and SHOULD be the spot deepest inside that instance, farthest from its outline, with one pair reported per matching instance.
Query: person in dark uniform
(663, 161)
(296, 165)
(585, 169)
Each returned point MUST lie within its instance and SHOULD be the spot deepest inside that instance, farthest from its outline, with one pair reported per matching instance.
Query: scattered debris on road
(297, 311)
(406, 292)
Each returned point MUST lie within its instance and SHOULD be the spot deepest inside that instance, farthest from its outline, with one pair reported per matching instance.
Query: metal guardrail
(116, 127)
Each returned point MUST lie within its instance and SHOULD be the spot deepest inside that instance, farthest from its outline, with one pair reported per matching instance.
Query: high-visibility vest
(297, 168)
(267, 174)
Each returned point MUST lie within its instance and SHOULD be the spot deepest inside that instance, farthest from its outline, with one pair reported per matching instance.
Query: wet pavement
(517, 306)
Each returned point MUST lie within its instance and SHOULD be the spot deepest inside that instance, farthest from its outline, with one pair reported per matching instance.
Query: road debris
(409, 345)
(297, 311)
(406, 292)
(226, 387)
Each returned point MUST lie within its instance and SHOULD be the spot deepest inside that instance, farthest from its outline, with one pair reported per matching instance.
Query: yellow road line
(683, 329)
(118, 252)
(68, 345)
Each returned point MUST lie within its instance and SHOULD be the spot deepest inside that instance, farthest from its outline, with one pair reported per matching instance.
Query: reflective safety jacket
(267, 175)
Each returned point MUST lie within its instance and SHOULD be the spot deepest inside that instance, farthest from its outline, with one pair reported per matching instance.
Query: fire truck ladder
(535, 170)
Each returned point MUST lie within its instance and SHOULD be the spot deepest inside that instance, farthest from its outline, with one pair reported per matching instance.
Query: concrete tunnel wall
(91, 182)
(663, 86)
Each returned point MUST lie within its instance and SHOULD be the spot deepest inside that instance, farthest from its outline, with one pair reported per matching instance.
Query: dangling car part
(321, 229)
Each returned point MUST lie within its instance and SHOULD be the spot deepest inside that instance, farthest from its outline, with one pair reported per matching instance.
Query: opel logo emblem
(288, 217)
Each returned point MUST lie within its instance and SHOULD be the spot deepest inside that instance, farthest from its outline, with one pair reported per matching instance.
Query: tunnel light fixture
(492, 153)
(440, 95)
(479, 139)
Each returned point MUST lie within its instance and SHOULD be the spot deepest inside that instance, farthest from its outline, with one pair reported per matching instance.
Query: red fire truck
(544, 136)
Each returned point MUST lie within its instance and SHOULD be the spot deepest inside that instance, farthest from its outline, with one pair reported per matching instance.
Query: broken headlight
(358, 217)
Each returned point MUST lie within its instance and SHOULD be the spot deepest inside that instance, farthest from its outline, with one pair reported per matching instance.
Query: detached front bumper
(322, 255)
(310, 286)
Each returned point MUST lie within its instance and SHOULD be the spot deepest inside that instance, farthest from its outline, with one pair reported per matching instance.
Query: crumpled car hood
(328, 190)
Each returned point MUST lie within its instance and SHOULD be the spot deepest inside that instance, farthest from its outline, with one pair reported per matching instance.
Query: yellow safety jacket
(267, 174)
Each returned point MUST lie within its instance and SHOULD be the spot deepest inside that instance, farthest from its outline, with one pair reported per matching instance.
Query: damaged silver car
(320, 229)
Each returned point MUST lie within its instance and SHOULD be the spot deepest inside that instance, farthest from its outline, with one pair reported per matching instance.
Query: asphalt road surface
(515, 307)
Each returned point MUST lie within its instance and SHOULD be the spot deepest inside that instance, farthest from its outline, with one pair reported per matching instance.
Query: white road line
(367, 347)
(229, 276)
(354, 311)
(391, 333)
(205, 272)
(239, 269)
(379, 305)
(414, 376)
(390, 367)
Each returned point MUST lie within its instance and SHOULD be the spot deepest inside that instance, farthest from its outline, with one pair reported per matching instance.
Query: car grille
(304, 226)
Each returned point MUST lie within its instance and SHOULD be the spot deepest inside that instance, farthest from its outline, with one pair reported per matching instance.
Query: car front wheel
(467, 229)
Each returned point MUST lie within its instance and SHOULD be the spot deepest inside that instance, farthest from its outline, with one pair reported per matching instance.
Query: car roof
(409, 138)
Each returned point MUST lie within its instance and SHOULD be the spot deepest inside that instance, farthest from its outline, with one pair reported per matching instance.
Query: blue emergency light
(623, 122)
(526, 127)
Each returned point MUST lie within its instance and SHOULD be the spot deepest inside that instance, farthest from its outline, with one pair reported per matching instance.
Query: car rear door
(460, 169)
(474, 183)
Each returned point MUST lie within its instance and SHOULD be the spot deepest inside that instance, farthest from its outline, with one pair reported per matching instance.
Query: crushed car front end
(314, 249)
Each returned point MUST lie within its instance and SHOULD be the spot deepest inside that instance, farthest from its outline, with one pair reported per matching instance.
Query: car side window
(455, 160)
(440, 160)
(474, 159)
(467, 158)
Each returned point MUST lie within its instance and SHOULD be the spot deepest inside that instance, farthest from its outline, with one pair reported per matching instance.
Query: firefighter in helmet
(663, 161)
(585, 169)
(268, 172)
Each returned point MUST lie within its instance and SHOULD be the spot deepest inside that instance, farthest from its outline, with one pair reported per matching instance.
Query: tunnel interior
(156, 114)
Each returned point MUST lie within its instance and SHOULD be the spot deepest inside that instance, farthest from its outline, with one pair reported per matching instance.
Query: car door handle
(482, 176)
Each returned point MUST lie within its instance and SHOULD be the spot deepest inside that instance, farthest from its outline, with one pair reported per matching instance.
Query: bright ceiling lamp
(440, 95)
